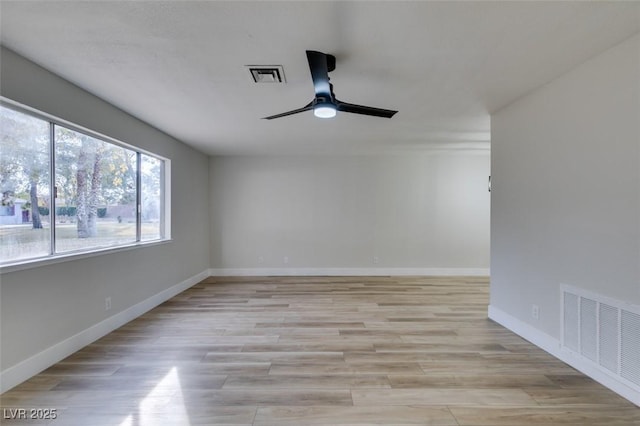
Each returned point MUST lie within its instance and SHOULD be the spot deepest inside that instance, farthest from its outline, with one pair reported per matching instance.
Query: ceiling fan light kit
(325, 110)
(325, 104)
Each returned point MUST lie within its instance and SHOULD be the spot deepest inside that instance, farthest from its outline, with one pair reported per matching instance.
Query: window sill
(67, 257)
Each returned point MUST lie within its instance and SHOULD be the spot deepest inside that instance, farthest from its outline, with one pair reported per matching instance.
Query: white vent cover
(267, 73)
(604, 331)
(609, 337)
(630, 346)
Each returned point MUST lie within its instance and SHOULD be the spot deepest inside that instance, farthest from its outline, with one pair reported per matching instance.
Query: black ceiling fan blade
(319, 67)
(295, 111)
(364, 110)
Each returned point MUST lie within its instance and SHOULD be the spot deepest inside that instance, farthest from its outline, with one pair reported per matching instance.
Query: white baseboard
(266, 272)
(552, 346)
(28, 368)
(524, 330)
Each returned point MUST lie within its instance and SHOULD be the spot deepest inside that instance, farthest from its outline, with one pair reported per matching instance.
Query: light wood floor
(319, 351)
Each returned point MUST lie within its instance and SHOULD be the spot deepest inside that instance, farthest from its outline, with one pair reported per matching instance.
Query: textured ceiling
(180, 65)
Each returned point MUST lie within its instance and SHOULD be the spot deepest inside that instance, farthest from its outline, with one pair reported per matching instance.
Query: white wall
(424, 211)
(44, 306)
(566, 189)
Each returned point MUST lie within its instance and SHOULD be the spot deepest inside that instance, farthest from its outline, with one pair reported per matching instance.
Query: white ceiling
(180, 65)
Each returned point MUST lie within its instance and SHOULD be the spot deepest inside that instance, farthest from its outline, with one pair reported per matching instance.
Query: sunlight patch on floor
(154, 406)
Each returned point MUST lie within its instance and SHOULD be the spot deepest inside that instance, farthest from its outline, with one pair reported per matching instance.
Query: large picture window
(68, 191)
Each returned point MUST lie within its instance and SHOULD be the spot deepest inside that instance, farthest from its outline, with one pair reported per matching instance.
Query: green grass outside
(21, 241)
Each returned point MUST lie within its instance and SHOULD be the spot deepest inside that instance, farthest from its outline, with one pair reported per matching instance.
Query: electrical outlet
(260, 259)
(535, 312)
(376, 260)
(285, 259)
(107, 303)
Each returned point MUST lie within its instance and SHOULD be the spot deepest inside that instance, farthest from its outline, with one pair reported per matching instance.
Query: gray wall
(427, 210)
(45, 305)
(566, 189)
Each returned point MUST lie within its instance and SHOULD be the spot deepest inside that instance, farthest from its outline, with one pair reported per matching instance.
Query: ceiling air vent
(267, 73)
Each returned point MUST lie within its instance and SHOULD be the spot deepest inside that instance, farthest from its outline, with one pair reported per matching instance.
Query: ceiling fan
(325, 104)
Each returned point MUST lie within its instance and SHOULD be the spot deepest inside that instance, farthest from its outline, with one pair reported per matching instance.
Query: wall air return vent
(603, 332)
(267, 73)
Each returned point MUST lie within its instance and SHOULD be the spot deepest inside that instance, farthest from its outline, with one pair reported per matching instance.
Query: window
(25, 182)
(151, 200)
(66, 190)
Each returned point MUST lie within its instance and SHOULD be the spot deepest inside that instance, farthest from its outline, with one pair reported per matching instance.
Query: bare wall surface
(45, 305)
(566, 189)
(427, 210)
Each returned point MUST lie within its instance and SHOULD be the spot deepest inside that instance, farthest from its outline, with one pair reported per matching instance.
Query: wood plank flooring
(319, 351)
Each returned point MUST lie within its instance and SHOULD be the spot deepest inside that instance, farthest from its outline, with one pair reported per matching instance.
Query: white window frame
(53, 257)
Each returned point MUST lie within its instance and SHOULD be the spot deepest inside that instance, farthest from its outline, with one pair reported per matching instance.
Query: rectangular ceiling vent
(267, 73)
(603, 331)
